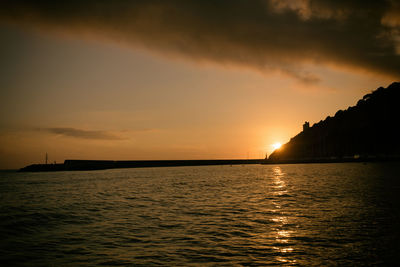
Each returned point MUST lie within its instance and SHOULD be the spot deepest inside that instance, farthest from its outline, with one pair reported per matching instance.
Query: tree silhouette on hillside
(369, 129)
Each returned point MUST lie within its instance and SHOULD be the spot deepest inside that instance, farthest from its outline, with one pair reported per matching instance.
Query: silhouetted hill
(368, 130)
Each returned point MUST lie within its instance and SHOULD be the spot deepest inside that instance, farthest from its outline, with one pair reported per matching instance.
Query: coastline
(87, 165)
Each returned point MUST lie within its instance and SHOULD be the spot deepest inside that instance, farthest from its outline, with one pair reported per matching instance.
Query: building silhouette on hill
(306, 126)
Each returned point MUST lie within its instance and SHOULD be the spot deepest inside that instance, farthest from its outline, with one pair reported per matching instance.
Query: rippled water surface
(313, 214)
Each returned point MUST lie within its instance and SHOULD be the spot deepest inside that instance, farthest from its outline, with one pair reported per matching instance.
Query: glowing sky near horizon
(84, 97)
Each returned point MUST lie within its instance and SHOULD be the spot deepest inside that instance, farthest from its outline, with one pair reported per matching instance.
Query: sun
(276, 146)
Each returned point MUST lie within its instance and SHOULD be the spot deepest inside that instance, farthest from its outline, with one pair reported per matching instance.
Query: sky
(130, 80)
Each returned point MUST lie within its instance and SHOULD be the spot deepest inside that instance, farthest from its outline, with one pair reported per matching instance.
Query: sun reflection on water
(281, 219)
(283, 233)
(281, 236)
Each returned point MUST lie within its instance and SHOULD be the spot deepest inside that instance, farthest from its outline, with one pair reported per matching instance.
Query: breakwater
(86, 165)
(82, 165)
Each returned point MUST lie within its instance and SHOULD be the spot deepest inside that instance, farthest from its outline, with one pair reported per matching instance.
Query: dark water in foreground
(314, 214)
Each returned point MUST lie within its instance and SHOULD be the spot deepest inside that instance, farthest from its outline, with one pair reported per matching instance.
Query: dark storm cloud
(79, 133)
(262, 34)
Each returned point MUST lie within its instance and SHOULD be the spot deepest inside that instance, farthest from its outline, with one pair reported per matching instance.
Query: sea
(342, 214)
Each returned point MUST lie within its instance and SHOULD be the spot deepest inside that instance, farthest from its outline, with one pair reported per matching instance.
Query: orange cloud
(83, 134)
